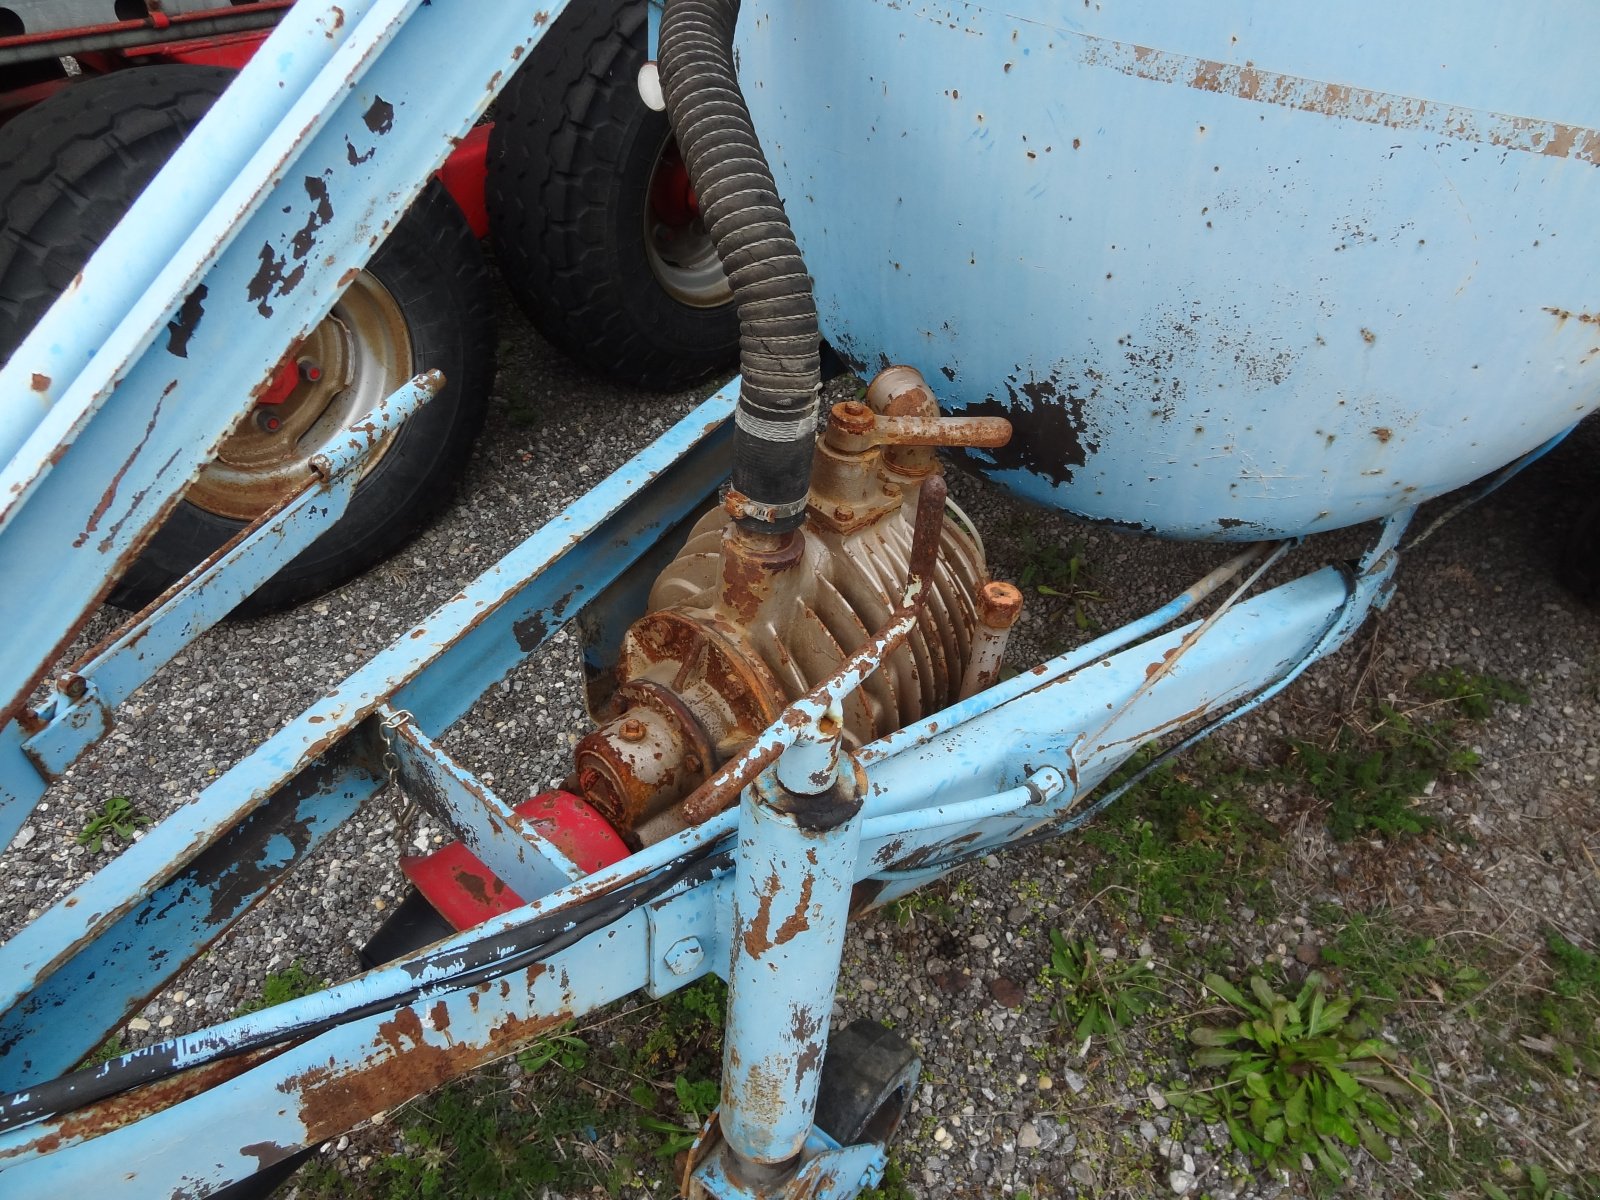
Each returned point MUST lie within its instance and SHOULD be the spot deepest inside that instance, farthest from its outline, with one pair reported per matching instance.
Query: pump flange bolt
(999, 605)
(632, 730)
(852, 417)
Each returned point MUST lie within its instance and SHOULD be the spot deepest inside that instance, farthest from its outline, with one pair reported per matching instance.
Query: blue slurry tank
(1232, 269)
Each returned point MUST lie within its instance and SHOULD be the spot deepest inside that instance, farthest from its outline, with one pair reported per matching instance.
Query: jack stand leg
(799, 831)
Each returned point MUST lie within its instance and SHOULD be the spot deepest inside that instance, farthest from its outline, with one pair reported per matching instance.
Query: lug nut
(632, 730)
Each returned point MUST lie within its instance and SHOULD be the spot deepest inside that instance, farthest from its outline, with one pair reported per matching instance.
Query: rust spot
(1160, 664)
(1560, 314)
(807, 1032)
(1049, 431)
(1248, 82)
(1368, 336)
(41, 383)
(755, 933)
(798, 921)
(1383, 433)
(472, 885)
(332, 1101)
(266, 1153)
(110, 494)
(135, 1105)
(439, 1014)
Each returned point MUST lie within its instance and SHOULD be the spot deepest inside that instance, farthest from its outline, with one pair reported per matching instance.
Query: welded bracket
(689, 936)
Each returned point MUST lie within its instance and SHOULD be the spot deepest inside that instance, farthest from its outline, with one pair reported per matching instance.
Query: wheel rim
(357, 355)
(681, 253)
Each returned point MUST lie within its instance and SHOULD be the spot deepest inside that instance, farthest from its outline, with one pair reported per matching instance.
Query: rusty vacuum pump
(743, 622)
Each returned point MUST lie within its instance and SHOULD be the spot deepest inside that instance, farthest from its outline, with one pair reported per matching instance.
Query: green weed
(282, 986)
(1093, 997)
(1474, 695)
(924, 902)
(117, 818)
(696, 1100)
(560, 1047)
(111, 1048)
(893, 1186)
(1520, 1183)
(686, 1024)
(1304, 1078)
(1064, 574)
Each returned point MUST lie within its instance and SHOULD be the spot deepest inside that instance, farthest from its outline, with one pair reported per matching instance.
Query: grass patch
(1381, 959)
(1372, 778)
(893, 1186)
(1567, 1012)
(1185, 847)
(596, 1108)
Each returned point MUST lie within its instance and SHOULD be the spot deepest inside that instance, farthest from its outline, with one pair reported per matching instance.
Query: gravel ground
(1004, 1105)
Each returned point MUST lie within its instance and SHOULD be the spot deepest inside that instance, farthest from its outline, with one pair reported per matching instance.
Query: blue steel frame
(115, 431)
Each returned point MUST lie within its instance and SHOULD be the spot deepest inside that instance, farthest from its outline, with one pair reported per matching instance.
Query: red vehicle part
(467, 893)
(119, 45)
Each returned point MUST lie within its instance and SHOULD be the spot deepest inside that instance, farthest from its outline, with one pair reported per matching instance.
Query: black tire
(869, 1076)
(571, 159)
(75, 164)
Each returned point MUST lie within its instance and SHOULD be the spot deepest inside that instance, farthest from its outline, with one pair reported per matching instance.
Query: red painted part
(284, 380)
(156, 20)
(18, 99)
(467, 893)
(671, 195)
(464, 174)
(225, 50)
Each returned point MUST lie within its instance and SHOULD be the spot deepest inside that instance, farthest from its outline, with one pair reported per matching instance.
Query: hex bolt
(310, 370)
(844, 512)
(633, 730)
(75, 686)
(685, 956)
(268, 420)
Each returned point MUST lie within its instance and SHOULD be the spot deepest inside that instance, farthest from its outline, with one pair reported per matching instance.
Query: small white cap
(650, 88)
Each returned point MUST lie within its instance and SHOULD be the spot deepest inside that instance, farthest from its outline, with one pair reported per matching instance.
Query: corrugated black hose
(778, 342)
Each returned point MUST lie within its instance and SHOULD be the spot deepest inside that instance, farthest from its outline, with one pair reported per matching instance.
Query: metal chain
(391, 767)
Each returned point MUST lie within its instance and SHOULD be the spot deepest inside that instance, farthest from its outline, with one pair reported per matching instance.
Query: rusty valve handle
(722, 789)
(855, 428)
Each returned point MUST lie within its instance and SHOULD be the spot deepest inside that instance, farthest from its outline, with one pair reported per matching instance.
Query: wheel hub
(359, 353)
(680, 250)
